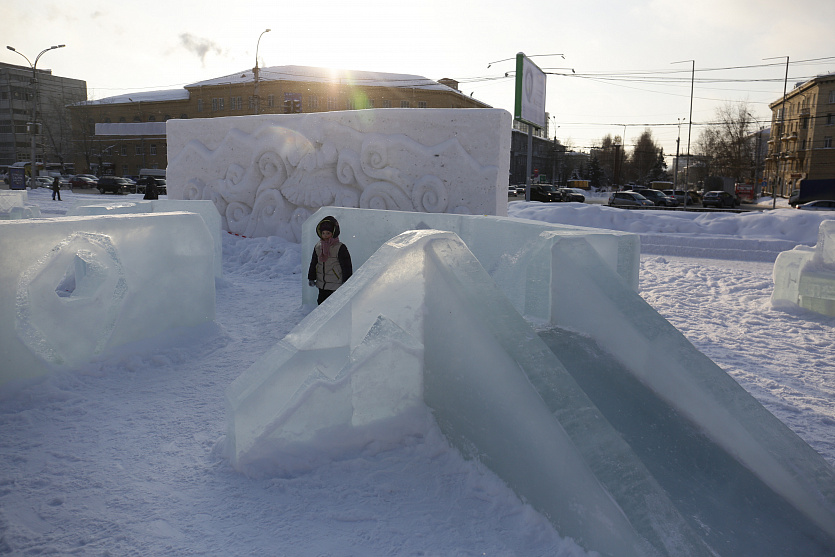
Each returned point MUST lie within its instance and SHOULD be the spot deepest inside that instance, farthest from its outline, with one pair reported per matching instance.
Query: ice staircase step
(715, 247)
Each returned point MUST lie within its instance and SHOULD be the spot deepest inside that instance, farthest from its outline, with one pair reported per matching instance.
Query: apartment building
(119, 135)
(47, 95)
(803, 127)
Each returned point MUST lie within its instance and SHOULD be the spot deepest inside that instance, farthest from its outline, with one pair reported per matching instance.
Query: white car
(43, 181)
(819, 205)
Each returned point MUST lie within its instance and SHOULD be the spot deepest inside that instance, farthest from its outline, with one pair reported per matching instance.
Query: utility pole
(33, 125)
(689, 129)
(255, 72)
(782, 132)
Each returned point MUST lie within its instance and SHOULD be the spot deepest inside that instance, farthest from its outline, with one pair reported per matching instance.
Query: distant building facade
(53, 138)
(106, 148)
(801, 145)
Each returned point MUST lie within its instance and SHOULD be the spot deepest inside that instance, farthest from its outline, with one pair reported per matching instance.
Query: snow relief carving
(267, 174)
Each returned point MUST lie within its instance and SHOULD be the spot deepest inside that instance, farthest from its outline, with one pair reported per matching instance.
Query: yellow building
(119, 135)
(802, 129)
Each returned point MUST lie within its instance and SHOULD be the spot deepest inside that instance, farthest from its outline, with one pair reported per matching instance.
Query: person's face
(326, 234)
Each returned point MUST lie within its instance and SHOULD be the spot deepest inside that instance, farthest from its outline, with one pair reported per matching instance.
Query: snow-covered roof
(327, 75)
(141, 97)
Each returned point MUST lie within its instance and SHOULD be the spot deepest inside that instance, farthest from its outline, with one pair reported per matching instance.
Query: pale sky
(623, 53)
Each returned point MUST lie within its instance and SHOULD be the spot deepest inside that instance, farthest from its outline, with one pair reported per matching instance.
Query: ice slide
(646, 453)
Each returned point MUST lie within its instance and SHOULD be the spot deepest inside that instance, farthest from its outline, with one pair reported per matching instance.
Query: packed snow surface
(123, 456)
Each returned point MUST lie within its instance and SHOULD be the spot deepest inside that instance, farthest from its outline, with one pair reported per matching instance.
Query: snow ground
(122, 456)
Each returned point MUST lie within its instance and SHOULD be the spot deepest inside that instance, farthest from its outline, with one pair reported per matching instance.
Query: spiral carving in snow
(430, 195)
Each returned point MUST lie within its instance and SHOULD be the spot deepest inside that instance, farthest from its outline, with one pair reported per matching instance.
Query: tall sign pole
(530, 105)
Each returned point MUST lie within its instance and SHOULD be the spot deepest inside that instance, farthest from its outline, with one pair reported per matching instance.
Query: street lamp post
(33, 126)
(255, 71)
(689, 129)
(675, 171)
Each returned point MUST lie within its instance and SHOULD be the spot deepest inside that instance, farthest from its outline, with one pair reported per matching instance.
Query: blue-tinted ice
(620, 431)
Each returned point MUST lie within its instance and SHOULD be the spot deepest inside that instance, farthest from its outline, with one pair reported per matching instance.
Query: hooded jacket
(330, 271)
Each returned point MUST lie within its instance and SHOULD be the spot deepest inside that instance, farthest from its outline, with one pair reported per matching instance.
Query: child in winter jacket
(330, 265)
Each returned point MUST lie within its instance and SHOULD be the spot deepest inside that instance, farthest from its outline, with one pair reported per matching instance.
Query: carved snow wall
(267, 174)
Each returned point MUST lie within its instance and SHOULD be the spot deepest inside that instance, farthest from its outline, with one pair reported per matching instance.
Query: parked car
(794, 198)
(693, 198)
(819, 205)
(43, 181)
(573, 194)
(83, 181)
(720, 199)
(545, 192)
(520, 190)
(629, 199)
(114, 184)
(658, 197)
(511, 191)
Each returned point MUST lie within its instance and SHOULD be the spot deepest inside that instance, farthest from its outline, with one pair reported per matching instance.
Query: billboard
(530, 92)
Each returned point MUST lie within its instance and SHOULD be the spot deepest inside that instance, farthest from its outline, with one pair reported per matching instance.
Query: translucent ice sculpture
(515, 252)
(605, 419)
(203, 208)
(806, 276)
(77, 286)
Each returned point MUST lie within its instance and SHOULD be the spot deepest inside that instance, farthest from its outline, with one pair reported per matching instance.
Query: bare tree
(726, 146)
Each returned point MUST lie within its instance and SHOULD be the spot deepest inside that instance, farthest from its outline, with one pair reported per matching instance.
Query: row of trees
(724, 148)
(610, 164)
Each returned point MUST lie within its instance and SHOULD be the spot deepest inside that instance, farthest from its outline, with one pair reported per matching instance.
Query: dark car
(629, 199)
(720, 199)
(113, 184)
(83, 182)
(545, 192)
(571, 194)
(658, 197)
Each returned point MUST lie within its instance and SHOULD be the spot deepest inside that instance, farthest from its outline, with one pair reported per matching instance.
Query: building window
(386, 103)
(832, 97)
(251, 103)
(350, 104)
(421, 104)
(217, 104)
(271, 101)
(827, 142)
(122, 119)
(153, 149)
(236, 103)
(369, 103)
(331, 103)
(152, 118)
(312, 103)
(199, 105)
(830, 119)
(404, 104)
(138, 150)
(124, 150)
